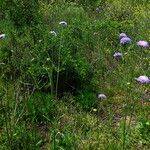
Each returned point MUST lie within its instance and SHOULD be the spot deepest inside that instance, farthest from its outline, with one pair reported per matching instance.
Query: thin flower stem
(58, 67)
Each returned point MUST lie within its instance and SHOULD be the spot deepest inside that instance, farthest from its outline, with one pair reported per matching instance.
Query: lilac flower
(63, 23)
(125, 40)
(118, 55)
(53, 32)
(143, 44)
(122, 35)
(2, 36)
(143, 79)
(102, 96)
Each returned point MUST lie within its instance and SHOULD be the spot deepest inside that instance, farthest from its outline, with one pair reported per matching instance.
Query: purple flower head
(118, 55)
(2, 36)
(122, 35)
(102, 96)
(143, 44)
(143, 79)
(125, 40)
(63, 23)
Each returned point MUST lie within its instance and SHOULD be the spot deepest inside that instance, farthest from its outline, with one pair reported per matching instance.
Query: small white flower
(48, 59)
(95, 33)
(98, 8)
(63, 23)
(2, 36)
(124, 105)
(53, 32)
(102, 96)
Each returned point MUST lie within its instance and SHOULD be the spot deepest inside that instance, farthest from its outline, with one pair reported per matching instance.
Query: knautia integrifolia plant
(118, 55)
(101, 96)
(143, 79)
(125, 40)
(143, 44)
(63, 23)
(2, 36)
(70, 55)
(122, 35)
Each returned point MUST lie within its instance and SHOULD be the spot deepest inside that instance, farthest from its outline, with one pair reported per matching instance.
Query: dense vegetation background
(57, 57)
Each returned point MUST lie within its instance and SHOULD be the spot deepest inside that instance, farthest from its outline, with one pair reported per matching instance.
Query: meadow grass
(56, 57)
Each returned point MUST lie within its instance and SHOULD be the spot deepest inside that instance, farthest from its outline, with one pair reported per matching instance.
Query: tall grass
(49, 82)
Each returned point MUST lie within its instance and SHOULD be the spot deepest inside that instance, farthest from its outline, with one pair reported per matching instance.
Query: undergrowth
(55, 60)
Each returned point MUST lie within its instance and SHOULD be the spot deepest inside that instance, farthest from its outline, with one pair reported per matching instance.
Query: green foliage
(41, 108)
(35, 54)
(50, 74)
(144, 130)
(21, 138)
(87, 99)
(65, 140)
(21, 12)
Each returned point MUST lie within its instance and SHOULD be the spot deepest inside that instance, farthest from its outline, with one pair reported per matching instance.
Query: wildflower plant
(143, 44)
(56, 56)
(102, 96)
(118, 55)
(63, 23)
(2, 36)
(125, 40)
(122, 35)
(143, 79)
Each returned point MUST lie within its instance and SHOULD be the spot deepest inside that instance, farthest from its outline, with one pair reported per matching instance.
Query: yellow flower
(94, 109)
